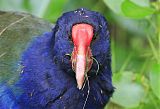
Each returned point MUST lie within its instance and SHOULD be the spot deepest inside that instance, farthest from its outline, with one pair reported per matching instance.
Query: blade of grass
(144, 66)
(126, 62)
(153, 101)
(2, 54)
(113, 56)
(153, 48)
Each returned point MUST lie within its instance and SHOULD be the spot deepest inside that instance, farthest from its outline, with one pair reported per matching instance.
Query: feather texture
(47, 80)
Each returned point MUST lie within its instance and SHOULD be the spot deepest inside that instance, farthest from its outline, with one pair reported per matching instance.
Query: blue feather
(48, 82)
(7, 98)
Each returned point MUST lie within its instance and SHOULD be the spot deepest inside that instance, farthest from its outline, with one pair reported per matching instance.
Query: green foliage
(114, 5)
(135, 42)
(125, 85)
(140, 91)
(54, 9)
(133, 10)
(155, 79)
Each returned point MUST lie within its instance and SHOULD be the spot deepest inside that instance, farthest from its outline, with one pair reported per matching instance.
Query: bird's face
(82, 35)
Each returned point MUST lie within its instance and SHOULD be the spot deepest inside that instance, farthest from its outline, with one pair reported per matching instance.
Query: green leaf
(33, 6)
(11, 5)
(133, 10)
(141, 2)
(54, 9)
(36, 7)
(114, 5)
(127, 94)
(155, 79)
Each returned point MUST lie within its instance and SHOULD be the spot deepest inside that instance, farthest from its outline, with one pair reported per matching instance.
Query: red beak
(81, 56)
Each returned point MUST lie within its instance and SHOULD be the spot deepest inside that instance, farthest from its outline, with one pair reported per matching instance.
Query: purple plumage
(48, 81)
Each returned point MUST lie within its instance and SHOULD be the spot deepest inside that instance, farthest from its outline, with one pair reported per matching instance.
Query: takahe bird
(67, 68)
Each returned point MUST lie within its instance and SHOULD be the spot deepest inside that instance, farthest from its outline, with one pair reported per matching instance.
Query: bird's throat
(81, 56)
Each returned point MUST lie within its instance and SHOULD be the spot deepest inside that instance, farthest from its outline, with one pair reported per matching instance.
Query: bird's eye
(94, 38)
(70, 38)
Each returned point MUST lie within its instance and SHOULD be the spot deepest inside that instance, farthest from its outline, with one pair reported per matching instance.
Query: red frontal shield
(81, 56)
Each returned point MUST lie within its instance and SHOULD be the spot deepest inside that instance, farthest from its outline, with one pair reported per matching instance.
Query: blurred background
(135, 41)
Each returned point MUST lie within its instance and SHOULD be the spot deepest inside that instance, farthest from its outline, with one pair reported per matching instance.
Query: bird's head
(82, 35)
